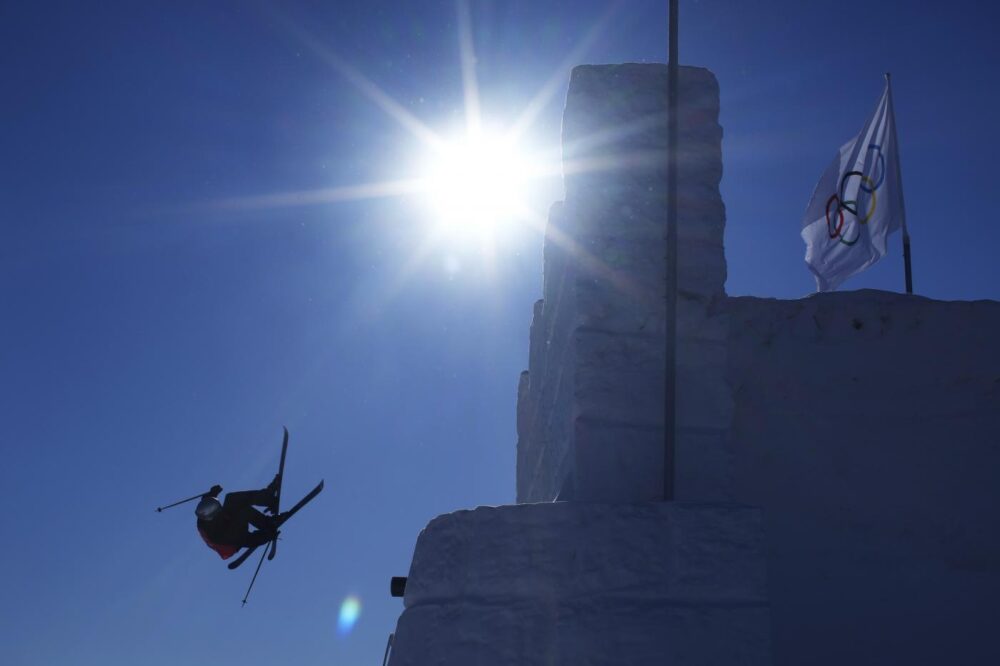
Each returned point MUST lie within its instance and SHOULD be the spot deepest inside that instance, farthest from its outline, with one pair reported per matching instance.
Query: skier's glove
(214, 492)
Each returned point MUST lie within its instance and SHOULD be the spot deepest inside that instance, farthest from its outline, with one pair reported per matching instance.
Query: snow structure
(587, 583)
(867, 426)
(864, 425)
(620, 577)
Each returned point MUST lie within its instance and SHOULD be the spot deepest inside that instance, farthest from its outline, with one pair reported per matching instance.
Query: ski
(277, 500)
(242, 558)
(282, 518)
(301, 503)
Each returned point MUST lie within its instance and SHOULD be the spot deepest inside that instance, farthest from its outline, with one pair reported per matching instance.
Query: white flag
(857, 203)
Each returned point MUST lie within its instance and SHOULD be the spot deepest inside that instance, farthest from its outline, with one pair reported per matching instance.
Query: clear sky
(210, 229)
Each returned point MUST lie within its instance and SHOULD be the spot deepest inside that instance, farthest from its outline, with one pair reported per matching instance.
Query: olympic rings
(851, 242)
(836, 233)
(840, 225)
(879, 160)
(868, 185)
(848, 204)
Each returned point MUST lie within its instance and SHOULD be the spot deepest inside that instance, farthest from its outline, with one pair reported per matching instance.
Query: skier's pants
(241, 506)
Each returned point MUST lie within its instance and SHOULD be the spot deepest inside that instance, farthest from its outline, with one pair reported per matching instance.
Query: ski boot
(272, 490)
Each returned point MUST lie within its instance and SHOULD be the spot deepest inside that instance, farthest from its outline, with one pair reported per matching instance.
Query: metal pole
(899, 181)
(670, 333)
(906, 263)
(388, 647)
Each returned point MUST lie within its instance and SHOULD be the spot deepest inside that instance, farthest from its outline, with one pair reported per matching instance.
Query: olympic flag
(857, 203)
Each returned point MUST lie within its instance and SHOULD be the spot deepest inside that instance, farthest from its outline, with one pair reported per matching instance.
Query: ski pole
(254, 579)
(161, 508)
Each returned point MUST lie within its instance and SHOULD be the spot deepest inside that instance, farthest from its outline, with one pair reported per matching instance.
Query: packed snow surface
(572, 584)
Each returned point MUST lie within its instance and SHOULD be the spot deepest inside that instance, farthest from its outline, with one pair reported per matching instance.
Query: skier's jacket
(214, 533)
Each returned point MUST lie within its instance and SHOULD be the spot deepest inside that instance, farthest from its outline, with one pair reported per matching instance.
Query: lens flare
(350, 609)
(474, 184)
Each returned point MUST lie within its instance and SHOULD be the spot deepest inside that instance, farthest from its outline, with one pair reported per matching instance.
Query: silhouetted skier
(225, 526)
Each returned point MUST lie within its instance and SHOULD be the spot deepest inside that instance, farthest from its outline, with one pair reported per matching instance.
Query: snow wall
(582, 583)
(865, 424)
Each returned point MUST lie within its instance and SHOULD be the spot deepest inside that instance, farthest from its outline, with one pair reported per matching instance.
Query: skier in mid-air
(225, 526)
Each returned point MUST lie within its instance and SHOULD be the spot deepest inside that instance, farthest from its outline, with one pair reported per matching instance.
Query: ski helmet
(208, 508)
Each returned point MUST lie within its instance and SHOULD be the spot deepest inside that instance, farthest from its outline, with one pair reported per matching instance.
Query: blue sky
(161, 321)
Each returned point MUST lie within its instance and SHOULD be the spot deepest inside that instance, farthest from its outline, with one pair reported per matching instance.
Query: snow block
(574, 584)
(608, 451)
(703, 465)
(619, 377)
(704, 396)
(866, 426)
(597, 342)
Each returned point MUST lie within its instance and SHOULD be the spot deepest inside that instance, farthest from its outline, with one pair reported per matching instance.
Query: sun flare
(476, 185)
(479, 190)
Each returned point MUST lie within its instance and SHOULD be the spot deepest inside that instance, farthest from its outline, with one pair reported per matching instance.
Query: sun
(479, 188)
(475, 185)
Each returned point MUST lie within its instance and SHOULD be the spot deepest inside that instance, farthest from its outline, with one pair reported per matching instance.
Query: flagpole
(670, 329)
(899, 181)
